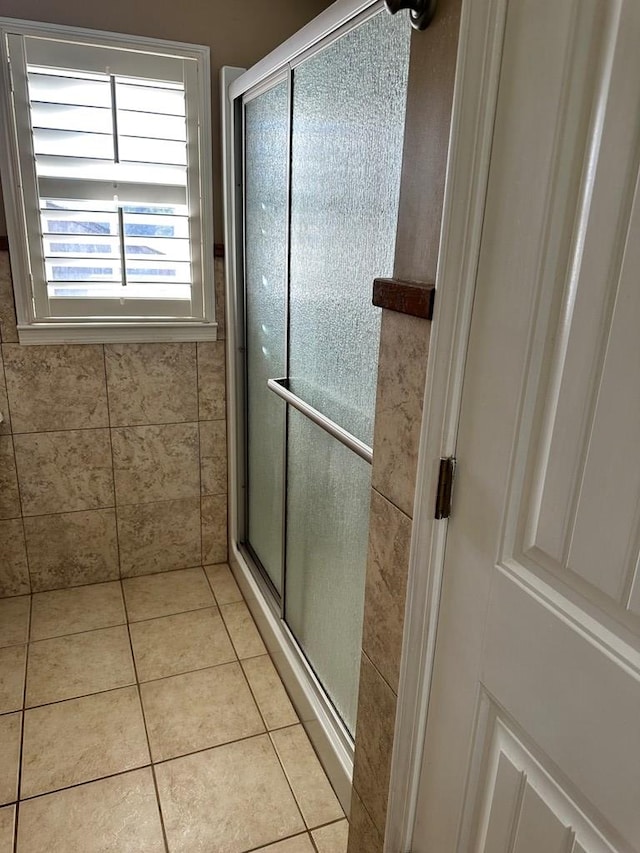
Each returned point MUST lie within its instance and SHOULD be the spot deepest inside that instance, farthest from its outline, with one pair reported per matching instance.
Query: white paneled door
(533, 732)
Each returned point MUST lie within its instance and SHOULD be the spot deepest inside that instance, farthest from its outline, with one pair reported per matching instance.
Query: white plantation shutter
(109, 146)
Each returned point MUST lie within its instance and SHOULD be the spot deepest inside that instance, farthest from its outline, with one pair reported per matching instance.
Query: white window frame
(41, 330)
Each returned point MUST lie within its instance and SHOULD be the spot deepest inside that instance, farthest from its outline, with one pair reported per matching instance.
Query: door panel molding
(517, 787)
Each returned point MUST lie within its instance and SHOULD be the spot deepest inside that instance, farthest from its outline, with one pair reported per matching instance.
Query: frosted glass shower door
(347, 139)
(323, 145)
(266, 252)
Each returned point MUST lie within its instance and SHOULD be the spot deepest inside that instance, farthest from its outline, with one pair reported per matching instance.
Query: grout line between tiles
(368, 813)
(253, 696)
(75, 633)
(110, 427)
(146, 730)
(120, 505)
(198, 381)
(214, 746)
(20, 501)
(270, 728)
(179, 613)
(322, 826)
(113, 465)
(305, 834)
(188, 672)
(13, 448)
(86, 782)
(224, 622)
(82, 696)
(286, 776)
(117, 579)
(133, 683)
(329, 823)
(389, 501)
(4, 376)
(200, 459)
(200, 477)
(266, 654)
(26, 550)
(20, 755)
(293, 725)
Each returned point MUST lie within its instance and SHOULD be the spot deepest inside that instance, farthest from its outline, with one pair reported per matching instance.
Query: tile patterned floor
(145, 716)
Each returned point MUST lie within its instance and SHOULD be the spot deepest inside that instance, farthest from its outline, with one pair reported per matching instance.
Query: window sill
(114, 333)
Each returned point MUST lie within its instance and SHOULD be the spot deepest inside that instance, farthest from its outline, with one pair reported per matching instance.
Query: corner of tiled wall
(404, 343)
(112, 458)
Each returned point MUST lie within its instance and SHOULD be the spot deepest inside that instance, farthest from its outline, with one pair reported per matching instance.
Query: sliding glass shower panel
(323, 157)
(347, 143)
(348, 130)
(327, 532)
(266, 252)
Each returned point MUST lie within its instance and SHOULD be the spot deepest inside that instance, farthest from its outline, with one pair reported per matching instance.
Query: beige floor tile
(14, 621)
(66, 667)
(166, 593)
(198, 710)
(223, 584)
(7, 818)
(242, 630)
(12, 660)
(81, 740)
(332, 838)
(119, 814)
(297, 844)
(180, 643)
(241, 784)
(71, 611)
(308, 781)
(275, 706)
(10, 728)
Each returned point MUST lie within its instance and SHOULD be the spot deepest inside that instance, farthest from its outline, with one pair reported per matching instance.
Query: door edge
(474, 103)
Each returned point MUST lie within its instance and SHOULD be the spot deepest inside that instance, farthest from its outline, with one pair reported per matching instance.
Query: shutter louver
(111, 166)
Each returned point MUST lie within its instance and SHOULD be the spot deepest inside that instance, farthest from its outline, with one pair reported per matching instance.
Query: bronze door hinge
(445, 487)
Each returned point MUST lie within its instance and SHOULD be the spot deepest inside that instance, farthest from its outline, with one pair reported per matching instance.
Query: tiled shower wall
(113, 459)
(404, 345)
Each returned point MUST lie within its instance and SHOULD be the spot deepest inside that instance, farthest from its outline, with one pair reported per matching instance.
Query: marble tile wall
(404, 344)
(113, 459)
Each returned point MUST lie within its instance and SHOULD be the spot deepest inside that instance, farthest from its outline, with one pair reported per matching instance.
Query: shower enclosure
(314, 154)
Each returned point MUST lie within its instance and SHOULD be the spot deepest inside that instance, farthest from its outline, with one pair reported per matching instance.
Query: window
(106, 174)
